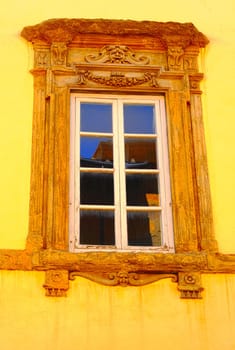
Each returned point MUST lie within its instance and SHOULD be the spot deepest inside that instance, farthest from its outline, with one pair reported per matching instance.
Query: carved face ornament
(117, 54)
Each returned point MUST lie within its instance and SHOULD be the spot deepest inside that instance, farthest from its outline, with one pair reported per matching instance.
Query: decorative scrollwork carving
(117, 79)
(118, 54)
(122, 278)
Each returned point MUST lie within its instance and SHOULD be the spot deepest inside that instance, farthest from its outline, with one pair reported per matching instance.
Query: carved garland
(117, 56)
(117, 79)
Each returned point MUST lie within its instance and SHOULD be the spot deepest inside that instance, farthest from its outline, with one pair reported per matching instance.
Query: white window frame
(119, 206)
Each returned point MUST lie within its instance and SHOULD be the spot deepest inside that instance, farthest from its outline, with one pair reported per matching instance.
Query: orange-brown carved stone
(56, 283)
(66, 30)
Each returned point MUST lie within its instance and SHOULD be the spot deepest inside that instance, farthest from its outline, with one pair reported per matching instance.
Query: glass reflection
(97, 227)
(96, 117)
(142, 189)
(140, 153)
(96, 152)
(96, 188)
(139, 119)
(144, 228)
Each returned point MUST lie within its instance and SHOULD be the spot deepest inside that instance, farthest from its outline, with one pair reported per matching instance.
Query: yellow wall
(93, 316)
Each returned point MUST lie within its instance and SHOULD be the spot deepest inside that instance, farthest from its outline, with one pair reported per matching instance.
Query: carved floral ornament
(117, 56)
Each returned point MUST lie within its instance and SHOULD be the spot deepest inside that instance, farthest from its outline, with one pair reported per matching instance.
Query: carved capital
(58, 53)
(56, 283)
(41, 56)
(189, 285)
(175, 58)
(190, 59)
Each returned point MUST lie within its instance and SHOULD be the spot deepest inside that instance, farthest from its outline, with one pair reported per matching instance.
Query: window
(119, 184)
(105, 196)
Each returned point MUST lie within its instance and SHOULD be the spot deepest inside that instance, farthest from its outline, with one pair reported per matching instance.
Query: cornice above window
(67, 30)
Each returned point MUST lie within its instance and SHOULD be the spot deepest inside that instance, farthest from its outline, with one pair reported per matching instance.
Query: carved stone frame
(117, 56)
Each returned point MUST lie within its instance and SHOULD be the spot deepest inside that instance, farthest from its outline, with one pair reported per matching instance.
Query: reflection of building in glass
(141, 190)
(135, 152)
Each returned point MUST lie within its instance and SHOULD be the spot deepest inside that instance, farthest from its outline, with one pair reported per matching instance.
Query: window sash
(119, 172)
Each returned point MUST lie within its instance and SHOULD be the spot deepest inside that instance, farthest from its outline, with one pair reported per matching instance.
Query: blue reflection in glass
(139, 119)
(96, 117)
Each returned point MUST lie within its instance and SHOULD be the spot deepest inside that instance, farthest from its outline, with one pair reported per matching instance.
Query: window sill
(119, 268)
(87, 249)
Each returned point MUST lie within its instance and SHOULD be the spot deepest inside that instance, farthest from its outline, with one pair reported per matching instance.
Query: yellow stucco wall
(94, 316)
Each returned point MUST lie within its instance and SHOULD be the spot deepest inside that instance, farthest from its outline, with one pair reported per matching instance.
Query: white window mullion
(116, 175)
(122, 172)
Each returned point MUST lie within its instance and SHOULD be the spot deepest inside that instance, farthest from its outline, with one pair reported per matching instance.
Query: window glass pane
(142, 189)
(96, 152)
(96, 188)
(140, 153)
(96, 117)
(144, 228)
(97, 227)
(139, 119)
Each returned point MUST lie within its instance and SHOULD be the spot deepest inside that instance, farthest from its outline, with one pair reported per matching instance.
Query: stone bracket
(56, 283)
(189, 285)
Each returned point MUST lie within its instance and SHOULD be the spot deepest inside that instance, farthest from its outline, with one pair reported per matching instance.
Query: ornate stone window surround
(117, 56)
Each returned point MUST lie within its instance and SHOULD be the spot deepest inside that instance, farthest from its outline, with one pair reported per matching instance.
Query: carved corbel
(189, 285)
(56, 283)
(194, 82)
(58, 54)
(175, 58)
